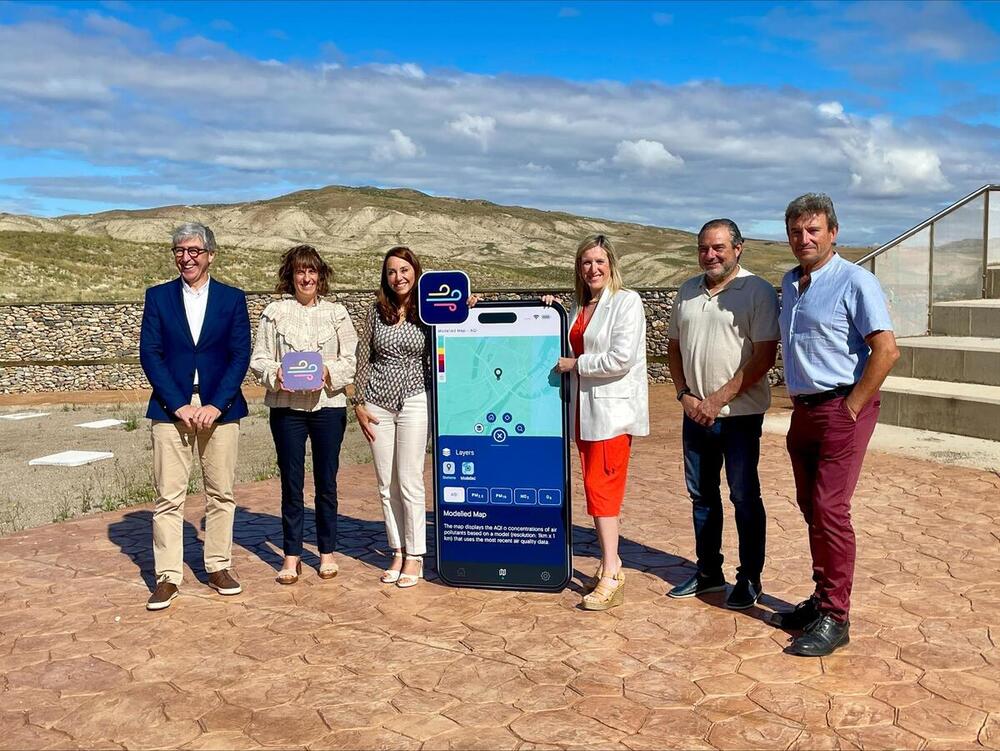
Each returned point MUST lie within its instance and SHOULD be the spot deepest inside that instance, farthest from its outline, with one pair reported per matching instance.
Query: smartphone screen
(501, 461)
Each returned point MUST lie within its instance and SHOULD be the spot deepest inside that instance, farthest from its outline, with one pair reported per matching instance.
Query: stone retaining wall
(95, 346)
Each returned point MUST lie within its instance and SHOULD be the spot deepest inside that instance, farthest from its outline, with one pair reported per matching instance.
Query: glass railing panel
(958, 253)
(993, 258)
(904, 272)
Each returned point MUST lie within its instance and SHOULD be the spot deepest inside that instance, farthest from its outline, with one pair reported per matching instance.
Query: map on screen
(499, 386)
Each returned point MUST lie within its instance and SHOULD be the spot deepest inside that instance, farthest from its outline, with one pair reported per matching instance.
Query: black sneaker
(698, 585)
(744, 595)
(822, 637)
(804, 614)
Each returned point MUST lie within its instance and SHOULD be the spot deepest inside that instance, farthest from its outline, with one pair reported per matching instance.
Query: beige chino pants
(174, 447)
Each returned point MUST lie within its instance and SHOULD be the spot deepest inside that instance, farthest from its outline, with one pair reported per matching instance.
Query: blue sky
(661, 113)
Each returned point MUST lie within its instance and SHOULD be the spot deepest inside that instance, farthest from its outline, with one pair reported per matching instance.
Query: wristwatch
(682, 393)
(351, 392)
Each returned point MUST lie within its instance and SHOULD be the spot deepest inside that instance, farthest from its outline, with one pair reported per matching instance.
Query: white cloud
(885, 44)
(944, 30)
(832, 110)
(476, 127)
(401, 146)
(98, 99)
(663, 19)
(645, 155)
(204, 48)
(113, 27)
(595, 166)
(406, 70)
(886, 171)
(567, 12)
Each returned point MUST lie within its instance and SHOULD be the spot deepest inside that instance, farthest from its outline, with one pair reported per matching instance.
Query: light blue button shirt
(823, 330)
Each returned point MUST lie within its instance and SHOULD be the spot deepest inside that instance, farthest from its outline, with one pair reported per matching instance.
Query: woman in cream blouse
(306, 322)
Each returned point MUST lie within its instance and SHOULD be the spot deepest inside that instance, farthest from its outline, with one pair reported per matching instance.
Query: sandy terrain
(30, 496)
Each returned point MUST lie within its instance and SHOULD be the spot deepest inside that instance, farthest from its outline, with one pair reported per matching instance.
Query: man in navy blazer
(194, 347)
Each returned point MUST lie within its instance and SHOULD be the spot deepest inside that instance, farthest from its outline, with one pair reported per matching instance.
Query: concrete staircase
(950, 381)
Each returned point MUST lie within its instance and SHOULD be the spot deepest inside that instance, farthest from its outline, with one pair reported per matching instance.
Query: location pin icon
(498, 372)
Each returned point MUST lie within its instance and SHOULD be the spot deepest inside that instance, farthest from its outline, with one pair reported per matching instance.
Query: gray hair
(195, 229)
(812, 203)
(729, 224)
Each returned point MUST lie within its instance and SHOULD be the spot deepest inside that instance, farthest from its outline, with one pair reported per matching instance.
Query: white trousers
(398, 453)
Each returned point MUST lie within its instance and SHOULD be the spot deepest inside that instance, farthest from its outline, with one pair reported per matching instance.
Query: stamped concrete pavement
(351, 663)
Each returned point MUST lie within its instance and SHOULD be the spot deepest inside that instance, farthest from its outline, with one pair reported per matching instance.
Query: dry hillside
(113, 255)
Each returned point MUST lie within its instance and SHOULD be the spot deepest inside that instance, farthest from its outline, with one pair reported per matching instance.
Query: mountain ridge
(108, 255)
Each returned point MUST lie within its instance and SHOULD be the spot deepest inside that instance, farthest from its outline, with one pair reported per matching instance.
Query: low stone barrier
(95, 346)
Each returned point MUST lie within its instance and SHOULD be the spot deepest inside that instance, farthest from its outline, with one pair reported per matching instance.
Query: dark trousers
(827, 449)
(325, 429)
(735, 443)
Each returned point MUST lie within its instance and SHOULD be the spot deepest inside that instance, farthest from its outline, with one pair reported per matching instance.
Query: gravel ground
(31, 496)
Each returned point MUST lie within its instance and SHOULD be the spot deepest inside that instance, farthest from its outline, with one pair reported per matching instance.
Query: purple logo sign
(302, 371)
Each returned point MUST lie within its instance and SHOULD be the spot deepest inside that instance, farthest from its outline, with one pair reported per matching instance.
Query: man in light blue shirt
(837, 347)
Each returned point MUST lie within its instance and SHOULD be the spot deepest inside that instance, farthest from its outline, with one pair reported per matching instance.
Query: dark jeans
(735, 443)
(325, 429)
(827, 448)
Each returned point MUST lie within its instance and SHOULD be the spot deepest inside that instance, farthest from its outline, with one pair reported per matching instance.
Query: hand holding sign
(302, 371)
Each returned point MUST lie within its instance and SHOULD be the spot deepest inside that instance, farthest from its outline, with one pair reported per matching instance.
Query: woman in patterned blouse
(391, 404)
(306, 322)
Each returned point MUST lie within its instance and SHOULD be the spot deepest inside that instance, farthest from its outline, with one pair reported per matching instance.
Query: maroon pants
(827, 448)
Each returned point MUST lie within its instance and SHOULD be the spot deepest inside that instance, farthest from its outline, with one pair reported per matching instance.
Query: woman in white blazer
(610, 402)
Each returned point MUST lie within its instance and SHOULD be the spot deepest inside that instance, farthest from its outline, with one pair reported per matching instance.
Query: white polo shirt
(716, 333)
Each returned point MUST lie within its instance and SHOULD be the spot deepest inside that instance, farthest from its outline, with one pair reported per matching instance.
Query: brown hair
(809, 204)
(387, 302)
(615, 282)
(302, 257)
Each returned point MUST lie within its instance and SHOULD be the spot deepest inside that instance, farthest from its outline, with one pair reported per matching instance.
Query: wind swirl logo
(302, 371)
(445, 297)
(442, 297)
(303, 368)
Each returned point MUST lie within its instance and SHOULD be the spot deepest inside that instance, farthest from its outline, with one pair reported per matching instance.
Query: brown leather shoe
(224, 583)
(162, 595)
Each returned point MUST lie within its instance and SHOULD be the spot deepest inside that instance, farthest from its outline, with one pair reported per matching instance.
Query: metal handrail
(927, 222)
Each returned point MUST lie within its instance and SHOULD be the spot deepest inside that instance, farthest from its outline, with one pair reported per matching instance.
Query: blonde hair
(615, 282)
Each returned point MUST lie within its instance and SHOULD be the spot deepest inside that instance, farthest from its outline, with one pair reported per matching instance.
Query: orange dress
(604, 463)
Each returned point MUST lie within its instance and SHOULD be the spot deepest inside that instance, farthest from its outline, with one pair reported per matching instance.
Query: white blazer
(613, 386)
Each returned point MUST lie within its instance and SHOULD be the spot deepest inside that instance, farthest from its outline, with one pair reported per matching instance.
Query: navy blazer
(169, 355)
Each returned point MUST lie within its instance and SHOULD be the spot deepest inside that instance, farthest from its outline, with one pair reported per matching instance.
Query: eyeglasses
(192, 252)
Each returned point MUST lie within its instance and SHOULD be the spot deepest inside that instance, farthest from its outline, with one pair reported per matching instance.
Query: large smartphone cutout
(501, 457)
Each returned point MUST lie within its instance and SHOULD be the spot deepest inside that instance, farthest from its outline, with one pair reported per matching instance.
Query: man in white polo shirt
(723, 339)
